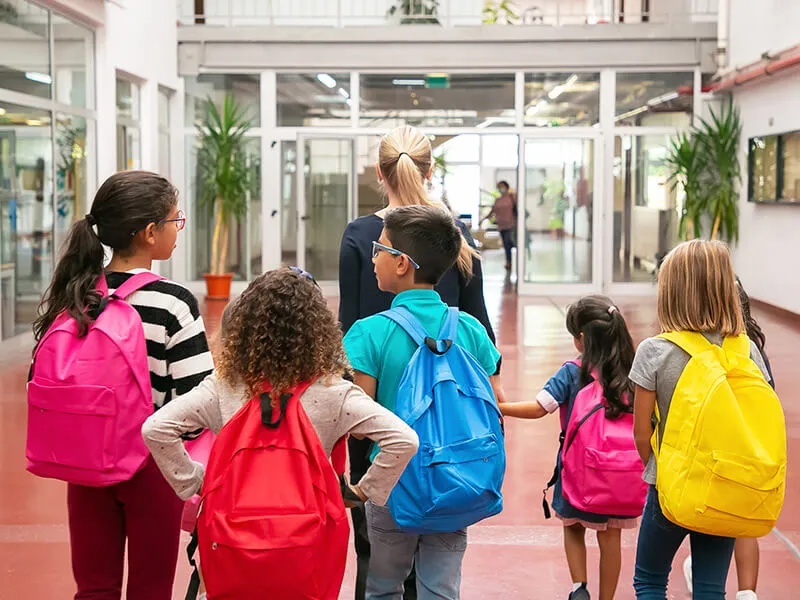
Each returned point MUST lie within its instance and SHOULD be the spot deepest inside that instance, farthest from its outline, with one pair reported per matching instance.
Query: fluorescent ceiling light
(663, 98)
(326, 80)
(343, 93)
(39, 77)
(631, 113)
(33, 122)
(408, 82)
(560, 89)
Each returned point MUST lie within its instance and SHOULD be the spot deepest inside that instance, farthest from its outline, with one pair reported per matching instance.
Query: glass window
(437, 100)
(26, 214)
(314, 99)
(654, 99)
(647, 208)
(73, 50)
(245, 89)
(71, 173)
(559, 176)
(244, 238)
(129, 151)
(791, 167)
(25, 49)
(127, 100)
(164, 132)
(562, 99)
(764, 169)
(288, 210)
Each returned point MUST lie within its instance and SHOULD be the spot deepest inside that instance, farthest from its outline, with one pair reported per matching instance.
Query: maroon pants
(144, 511)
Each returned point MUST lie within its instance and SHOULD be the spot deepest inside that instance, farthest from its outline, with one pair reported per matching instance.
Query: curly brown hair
(280, 331)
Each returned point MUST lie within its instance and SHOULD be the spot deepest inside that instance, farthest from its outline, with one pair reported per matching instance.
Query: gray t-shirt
(657, 366)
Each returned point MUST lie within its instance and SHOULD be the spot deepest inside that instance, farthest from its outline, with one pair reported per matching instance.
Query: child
(135, 213)
(601, 337)
(417, 246)
(697, 293)
(745, 551)
(281, 331)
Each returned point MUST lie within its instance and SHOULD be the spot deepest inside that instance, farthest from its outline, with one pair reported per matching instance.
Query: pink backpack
(89, 397)
(601, 471)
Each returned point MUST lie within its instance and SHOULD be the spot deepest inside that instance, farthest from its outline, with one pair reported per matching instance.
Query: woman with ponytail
(601, 336)
(135, 214)
(405, 164)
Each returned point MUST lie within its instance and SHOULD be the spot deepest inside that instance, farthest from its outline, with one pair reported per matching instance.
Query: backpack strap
(135, 283)
(691, 342)
(403, 317)
(739, 344)
(450, 329)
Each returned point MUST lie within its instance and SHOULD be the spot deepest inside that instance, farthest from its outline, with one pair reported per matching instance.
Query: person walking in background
(504, 212)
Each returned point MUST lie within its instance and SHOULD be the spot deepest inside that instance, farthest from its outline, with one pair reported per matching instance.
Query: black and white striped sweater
(177, 348)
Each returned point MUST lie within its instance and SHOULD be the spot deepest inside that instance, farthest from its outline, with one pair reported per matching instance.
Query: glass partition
(659, 99)
(246, 89)
(562, 99)
(314, 99)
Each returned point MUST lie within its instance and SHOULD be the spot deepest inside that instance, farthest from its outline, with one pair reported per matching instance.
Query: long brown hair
(405, 159)
(126, 203)
(697, 290)
(280, 331)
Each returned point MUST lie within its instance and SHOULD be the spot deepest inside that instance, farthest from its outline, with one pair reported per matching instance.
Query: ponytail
(607, 350)
(125, 204)
(72, 288)
(405, 159)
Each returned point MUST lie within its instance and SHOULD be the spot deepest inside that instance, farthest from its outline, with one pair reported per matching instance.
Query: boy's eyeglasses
(180, 220)
(376, 249)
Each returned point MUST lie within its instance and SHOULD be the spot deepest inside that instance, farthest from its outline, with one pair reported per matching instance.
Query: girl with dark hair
(135, 214)
(601, 336)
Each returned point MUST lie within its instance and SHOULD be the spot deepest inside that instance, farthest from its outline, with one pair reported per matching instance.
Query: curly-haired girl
(281, 331)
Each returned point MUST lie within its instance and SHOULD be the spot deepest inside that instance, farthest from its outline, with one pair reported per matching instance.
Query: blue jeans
(659, 540)
(507, 237)
(437, 558)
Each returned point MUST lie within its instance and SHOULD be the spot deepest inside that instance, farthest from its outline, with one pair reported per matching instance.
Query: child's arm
(556, 392)
(523, 410)
(163, 431)
(644, 404)
(361, 416)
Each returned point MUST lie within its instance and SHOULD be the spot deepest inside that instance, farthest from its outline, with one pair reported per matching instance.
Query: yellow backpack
(721, 465)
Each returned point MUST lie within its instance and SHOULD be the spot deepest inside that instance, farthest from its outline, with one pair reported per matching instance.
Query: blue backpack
(455, 479)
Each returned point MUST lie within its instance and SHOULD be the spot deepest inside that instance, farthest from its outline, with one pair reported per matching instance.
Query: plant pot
(218, 287)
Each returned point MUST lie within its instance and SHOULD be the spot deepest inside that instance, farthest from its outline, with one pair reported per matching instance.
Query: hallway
(516, 555)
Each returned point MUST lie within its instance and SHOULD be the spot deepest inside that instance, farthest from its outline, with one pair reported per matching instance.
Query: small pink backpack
(89, 396)
(601, 471)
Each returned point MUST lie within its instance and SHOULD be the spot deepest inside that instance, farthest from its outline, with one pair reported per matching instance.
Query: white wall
(757, 27)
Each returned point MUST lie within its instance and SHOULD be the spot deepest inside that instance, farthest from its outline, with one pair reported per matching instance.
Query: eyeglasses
(376, 249)
(304, 274)
(180, 220)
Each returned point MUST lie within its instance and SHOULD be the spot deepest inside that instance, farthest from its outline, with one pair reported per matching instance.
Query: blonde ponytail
(405, 159)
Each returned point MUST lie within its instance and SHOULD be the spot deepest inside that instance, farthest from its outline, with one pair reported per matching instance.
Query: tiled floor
(515, 555)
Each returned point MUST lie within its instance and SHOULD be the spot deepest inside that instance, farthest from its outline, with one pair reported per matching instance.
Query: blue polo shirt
(380, 348)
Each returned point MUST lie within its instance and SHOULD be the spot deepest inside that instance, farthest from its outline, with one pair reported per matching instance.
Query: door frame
(594, 286)
(302, 204)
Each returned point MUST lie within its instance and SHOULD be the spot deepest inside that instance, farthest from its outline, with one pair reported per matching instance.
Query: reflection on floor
(516, 555)
(557, 260)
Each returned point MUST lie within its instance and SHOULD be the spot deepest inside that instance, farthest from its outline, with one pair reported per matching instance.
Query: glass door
(325, 201)
(558, 228)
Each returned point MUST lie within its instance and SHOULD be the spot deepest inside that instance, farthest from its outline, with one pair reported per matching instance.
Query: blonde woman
(405, 164)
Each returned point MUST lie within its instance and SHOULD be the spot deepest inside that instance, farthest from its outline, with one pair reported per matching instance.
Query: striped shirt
(177, 348)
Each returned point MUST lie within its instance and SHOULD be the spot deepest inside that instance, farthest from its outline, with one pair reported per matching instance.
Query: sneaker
(580, 594)
(687, 572)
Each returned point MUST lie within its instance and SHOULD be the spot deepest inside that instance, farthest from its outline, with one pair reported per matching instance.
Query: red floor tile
(514, 555)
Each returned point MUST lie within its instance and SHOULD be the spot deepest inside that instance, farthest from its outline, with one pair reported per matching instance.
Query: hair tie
(399, 156)
(612, 310)
(91, 220)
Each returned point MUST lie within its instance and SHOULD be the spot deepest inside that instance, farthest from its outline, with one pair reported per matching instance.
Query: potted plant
(706, 164)
(500, 12)
(416, 11)
(224, 182)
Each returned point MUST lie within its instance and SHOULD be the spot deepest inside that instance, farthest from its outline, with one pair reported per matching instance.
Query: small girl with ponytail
(601, 336)
(135, 213)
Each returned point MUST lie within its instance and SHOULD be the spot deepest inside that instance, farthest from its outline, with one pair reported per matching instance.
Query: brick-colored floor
(515, 555)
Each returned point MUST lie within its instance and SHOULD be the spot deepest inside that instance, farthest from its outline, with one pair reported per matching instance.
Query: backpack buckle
(433, 346)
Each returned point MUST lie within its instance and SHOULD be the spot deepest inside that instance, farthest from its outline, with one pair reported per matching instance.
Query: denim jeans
(659, 540)
(437, 558)
(507, 237)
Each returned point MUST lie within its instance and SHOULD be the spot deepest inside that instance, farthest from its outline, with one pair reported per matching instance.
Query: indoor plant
(686, 166)
(500, 12)
(416, 11)
(224, 181)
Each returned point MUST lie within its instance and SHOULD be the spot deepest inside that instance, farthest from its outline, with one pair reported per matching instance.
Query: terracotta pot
(218, 287)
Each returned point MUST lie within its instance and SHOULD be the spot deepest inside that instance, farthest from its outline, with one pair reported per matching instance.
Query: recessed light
(326, 80)
(39, 77)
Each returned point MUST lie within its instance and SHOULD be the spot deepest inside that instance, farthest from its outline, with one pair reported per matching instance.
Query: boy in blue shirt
(417, 246)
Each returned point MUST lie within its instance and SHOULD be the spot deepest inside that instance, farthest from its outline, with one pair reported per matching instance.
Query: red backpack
(272, 522)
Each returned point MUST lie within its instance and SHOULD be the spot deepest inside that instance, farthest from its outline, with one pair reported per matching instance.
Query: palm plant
(224, 176)
(686, 164)
(416, 11)
(718, 139)
(495, 12)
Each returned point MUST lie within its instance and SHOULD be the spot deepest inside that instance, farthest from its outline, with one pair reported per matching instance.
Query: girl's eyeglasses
(376, 249)
(180, 220)
(304, 274)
